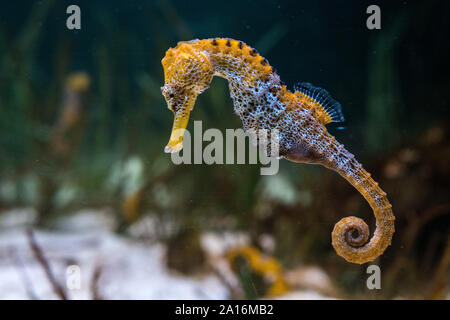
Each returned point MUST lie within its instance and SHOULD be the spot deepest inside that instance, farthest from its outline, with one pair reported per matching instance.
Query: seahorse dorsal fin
(320, 101)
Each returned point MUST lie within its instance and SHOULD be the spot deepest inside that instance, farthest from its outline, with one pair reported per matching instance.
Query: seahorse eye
(168, 92)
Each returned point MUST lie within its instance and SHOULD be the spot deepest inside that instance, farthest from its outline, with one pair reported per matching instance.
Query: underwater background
(83, 125)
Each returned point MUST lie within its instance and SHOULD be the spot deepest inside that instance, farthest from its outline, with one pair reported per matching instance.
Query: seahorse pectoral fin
(180, 122)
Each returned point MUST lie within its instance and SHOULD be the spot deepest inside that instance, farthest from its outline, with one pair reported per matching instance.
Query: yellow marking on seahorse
(263, 102)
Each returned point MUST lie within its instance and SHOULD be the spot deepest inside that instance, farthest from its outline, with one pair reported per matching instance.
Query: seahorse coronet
(263, 102)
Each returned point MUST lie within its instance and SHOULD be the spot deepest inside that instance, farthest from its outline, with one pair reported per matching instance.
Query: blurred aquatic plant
(384, 101)
(63, 136)
(266, 267)
(66, 134)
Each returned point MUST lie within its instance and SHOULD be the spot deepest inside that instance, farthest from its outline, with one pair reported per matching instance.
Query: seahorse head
(188, 72)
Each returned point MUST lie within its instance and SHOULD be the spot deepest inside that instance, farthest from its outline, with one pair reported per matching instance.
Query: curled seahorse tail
(350, 234)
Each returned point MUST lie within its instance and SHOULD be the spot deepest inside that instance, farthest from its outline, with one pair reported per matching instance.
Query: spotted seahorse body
(262, 101)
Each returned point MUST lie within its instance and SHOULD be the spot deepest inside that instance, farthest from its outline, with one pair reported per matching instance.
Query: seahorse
(262, 101)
